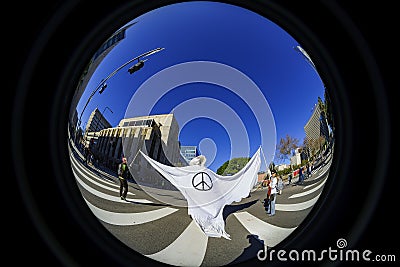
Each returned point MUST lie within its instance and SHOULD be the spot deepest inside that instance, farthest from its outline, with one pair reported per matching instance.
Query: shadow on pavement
(234, 208)
(148, 204)
(250, 252)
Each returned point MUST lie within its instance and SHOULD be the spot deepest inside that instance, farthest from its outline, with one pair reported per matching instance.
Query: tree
(232, 166)
(308, 147)
(221, 169)
(320, 142)
(286, 146)
(328, 110)
(313, 146)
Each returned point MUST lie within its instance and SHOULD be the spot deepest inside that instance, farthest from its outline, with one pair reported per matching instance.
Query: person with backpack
(123, 178)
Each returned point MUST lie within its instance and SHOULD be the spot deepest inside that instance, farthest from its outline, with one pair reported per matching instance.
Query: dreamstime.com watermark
(332, 254)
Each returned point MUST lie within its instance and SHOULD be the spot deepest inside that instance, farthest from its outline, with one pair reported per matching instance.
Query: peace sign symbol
(202, 181)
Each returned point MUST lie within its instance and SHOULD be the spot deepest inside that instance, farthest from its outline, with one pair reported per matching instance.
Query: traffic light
(136, 67)
(103, 87)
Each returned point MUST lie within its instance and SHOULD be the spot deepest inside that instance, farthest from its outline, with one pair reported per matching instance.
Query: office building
(156, 136)
(95, 124)
(189, 152)
(316, 129)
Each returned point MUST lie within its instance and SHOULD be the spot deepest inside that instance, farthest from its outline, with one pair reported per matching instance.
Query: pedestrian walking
(309, 170)
(301, 176)
(290, 178)
(123, 179)
(280, 185)
(86, 154)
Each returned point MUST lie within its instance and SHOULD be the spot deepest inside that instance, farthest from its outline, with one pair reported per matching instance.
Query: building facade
(296, 158)
(87, 74)
(316, 128)
(189, 152)
(95, 124)
(156, 136)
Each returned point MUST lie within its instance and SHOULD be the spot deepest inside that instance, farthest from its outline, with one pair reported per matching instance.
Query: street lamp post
(102, 85)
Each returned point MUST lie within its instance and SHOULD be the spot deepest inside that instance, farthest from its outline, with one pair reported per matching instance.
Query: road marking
(114, 189)
(78, 166)
(270, 234)
(117, 218)
(106, 196)
(187, 250)
(82, 166)
(324, 169)
(297, 206)
(305, 193)
(317, 177)
(311, 185)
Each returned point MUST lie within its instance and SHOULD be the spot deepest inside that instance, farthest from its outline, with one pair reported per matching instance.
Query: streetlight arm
(130, 61)
(102, 82)
(87, 102)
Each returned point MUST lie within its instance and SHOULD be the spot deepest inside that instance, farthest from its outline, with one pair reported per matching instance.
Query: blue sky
(232, 78)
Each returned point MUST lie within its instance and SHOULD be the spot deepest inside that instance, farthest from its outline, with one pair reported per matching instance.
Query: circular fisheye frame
(179, 122)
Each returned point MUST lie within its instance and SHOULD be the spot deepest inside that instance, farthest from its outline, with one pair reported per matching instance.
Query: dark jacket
(123, 170)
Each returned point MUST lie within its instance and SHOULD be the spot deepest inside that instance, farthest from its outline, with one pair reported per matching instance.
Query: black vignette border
(368, 141)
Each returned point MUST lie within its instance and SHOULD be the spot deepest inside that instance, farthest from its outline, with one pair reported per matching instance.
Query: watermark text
(338, 253)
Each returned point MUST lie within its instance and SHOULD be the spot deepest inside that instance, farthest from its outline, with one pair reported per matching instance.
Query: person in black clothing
(301, 176)
(308, 170)
(86, 153)
(123, 179)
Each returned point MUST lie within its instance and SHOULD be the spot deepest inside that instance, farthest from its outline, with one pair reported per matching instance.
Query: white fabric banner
(207, 193)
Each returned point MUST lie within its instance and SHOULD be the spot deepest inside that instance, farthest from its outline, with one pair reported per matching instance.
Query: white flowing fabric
(207, 193)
